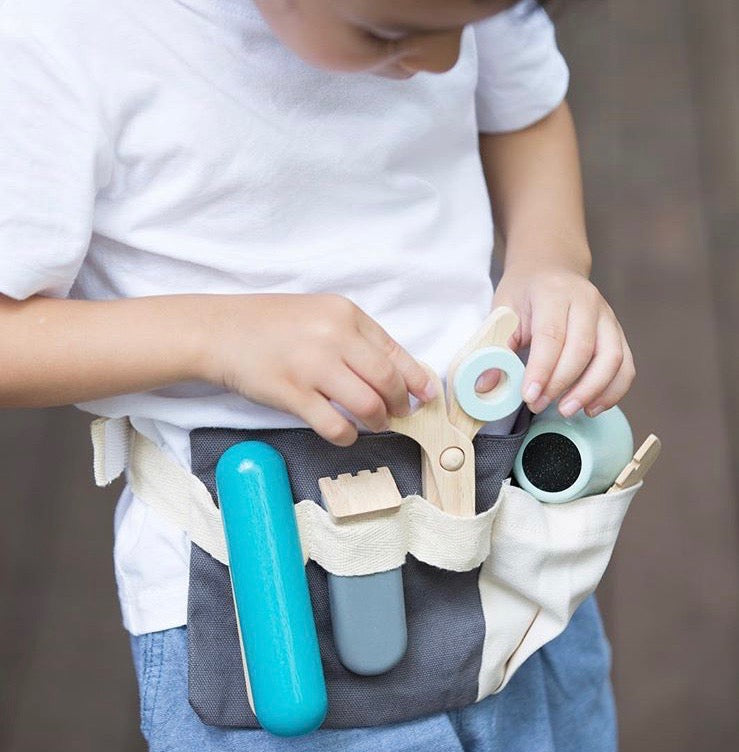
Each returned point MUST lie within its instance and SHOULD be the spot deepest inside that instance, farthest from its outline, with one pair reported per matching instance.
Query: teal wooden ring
(502, 400)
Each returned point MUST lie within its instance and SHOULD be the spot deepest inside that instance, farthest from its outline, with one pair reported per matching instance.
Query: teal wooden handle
(270, 589)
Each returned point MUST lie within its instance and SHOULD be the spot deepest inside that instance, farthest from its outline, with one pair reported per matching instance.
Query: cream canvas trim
(544, 561)
(158, 480)
(380, 541)
(370, 543)
(539, 561)
(110, 440)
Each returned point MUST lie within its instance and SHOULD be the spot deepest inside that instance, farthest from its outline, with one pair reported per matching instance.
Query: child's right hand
(298, 352)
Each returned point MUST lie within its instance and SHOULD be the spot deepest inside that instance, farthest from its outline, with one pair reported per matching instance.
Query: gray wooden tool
(367, 611)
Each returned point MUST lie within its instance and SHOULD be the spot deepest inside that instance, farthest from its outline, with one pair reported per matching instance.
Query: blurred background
(655, 90)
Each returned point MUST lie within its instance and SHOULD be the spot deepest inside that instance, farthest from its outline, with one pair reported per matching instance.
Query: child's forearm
(293, 352)
(534, 181)
(578, 350)
(57, 352)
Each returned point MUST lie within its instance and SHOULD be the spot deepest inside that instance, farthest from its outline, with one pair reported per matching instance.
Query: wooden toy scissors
(445, 427)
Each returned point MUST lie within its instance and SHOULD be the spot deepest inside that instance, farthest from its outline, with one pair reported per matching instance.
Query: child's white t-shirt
(175, 146)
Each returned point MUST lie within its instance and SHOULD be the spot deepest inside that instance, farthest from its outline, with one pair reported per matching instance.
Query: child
(260, 213)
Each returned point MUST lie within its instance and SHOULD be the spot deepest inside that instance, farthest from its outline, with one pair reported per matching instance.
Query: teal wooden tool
(282, 662)
(562, 459)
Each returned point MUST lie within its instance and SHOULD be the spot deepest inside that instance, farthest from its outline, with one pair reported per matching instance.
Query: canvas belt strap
(361, 545)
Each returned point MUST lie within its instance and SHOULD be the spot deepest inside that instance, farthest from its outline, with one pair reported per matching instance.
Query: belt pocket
(444, 615)
(545, 559)
(468, 631)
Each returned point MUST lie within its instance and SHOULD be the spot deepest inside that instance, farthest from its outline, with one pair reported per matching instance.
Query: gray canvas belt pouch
(482, 592)
(446, 624)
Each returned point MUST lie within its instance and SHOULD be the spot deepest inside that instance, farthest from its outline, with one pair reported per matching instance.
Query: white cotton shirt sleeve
(522, 76)
(50, 167)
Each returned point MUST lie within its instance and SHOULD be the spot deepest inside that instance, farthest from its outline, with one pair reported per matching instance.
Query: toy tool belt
(482, 592)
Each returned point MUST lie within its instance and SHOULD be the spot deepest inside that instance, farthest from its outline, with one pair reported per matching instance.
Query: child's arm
(292, 352)
(577, 345)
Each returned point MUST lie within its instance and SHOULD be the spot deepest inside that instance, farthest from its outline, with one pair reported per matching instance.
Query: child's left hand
(578, 354)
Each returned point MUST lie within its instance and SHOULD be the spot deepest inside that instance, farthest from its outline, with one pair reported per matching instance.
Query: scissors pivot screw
(452, 458)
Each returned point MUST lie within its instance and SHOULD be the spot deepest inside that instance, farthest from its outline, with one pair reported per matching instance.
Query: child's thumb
(487, 380)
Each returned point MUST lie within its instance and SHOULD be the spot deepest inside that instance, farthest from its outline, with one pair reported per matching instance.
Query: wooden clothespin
(635, 471)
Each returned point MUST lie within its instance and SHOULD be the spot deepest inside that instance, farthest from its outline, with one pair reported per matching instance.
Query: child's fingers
(613, 393)
(379, 371)
(603, 368)
(344, 386)
(548, 328)
(315, 409)
(617, 388)
(414, 375)
(577, 353)
(487, 380)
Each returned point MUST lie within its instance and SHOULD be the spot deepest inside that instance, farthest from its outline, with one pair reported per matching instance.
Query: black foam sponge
(551, 462)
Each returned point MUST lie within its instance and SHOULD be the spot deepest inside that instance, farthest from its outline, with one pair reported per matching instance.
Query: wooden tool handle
(367, 611)
(282, 660)
(451, 490)
(635, 471)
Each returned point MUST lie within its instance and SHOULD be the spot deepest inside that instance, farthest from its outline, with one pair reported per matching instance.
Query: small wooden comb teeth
(367, 491)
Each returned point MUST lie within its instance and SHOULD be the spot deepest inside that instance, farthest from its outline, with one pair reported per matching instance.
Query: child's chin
(395, 71)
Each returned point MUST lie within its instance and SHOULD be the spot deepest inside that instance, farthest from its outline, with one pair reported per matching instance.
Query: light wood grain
(350, 495)
(445, 431)
(639, 466)
(453, 491)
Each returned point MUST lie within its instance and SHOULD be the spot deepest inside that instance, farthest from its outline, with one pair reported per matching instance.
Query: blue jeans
(560, 700)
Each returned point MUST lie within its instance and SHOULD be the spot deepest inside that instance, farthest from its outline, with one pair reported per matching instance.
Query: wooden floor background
(655, 89)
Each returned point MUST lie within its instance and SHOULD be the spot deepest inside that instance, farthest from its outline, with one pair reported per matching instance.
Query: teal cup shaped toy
(562, 459)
